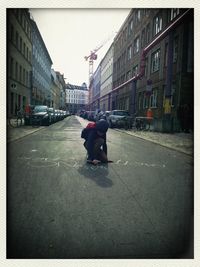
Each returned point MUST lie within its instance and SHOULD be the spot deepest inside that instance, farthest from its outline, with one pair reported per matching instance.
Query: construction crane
(93, 55)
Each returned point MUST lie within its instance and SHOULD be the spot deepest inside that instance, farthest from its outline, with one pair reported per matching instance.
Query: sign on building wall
(167, 105)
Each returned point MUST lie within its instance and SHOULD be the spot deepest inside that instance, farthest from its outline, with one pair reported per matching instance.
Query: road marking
(73, 163)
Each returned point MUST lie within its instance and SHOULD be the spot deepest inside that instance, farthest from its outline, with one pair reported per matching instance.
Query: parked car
(53, 115)
(120, 118)
(57, 114)
(106, 115)
(62, 116)
(41, 115)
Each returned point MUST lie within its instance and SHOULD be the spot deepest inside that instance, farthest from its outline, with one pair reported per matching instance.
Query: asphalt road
(58, 207)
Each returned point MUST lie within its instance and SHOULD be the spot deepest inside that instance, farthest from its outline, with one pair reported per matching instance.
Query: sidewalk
(182, 142)
(14, 134)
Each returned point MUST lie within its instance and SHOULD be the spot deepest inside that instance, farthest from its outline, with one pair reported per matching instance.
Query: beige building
(19, 59)
(55, 91)
(76, 97)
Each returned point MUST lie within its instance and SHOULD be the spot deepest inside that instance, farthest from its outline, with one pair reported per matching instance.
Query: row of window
(155, 56)
(138, 14)
(19, 43)
(39, 78)
(40, 57)
(20, 15)
(146, 100)
(19, 73)
(155, 63)
(79, 101)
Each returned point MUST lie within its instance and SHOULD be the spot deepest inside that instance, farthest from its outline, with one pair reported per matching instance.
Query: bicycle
(127, 123)
(16, 120)
(142, 123)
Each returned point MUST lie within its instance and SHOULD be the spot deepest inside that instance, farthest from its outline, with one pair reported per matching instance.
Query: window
(12, 33)
(124, 58)
(130, 27)
(27, 52)
(137, 16)
(11, 67)
(153, 98)
(157, 24)
(24, 49)
(173, 91)
(128, 75)
(129, 54)
(24, 81)
(166, 54)
(122, 78)
(20, 47)
(27, 84)
(145, 100)
(175, 49)
(17, 39)
(16, 71)
(143, 38)
(125, 35)
(155, 61)
(135, 70)
(20, 73)
(136, 45)
(148, 34)
(118, 64)
(174, 13)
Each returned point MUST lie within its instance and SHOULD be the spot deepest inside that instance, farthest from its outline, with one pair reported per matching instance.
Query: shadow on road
(97, 173)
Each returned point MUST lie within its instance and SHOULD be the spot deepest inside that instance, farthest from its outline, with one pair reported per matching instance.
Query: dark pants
(99, 154)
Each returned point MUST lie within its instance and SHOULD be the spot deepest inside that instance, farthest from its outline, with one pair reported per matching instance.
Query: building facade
(19, 59)
(156, 47)
(55, 89)
(95, 89)
(41, 70)
(106, 79)
(152, 68)
(76, 97)
(61, 84)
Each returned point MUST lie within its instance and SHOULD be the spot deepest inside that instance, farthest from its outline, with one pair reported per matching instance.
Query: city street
(59, 207)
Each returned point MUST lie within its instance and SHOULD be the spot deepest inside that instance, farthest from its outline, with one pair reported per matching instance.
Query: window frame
(155, 61)
(157, 24)
(136, 45)
(153, 100)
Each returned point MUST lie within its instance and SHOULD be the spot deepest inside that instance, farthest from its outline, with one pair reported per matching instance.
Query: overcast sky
(70, 34)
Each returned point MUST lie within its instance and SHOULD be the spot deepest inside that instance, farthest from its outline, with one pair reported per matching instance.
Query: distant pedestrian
(95, 142)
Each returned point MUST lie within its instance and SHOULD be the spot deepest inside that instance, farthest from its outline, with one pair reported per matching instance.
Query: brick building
(156, 47)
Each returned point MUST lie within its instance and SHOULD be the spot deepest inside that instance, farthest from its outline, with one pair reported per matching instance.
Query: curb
(20, 137)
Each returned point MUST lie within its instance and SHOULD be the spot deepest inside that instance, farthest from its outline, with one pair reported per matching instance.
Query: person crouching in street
(95, 143)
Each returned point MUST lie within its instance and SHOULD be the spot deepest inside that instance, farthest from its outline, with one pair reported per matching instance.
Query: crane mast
(93, 56)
